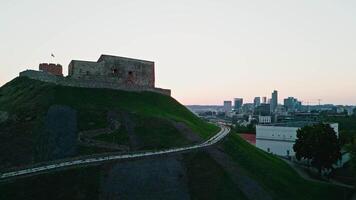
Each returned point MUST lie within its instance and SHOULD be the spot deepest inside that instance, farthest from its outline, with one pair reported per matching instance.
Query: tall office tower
(257, 101)
(238, 103)
(227, 106)
(264, 100)
(274, 100)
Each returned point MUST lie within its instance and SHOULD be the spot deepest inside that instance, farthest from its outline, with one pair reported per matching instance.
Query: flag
(52, 55)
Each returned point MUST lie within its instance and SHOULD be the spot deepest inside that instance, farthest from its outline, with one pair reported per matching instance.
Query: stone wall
(87, 83)
(127, 72)
(55, 69)
(41, 76)
(86, 70)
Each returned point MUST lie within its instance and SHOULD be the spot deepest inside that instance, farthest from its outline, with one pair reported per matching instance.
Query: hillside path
(60, 165)
(304, 175)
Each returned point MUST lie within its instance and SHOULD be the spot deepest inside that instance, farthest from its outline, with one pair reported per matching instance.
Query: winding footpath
(224, 131)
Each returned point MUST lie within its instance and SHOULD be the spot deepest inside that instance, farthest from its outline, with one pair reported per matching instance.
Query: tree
(319, 144)
(352, 149)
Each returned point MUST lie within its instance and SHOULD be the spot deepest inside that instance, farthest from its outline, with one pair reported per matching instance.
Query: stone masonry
(112, 72)
(125, 71)
(55, 69)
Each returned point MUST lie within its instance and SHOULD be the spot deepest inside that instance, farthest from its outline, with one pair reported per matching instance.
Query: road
(224, 131)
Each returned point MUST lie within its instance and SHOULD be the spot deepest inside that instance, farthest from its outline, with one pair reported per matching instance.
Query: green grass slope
(206, 178)
(28, 98)
(276, 176)
(27, 102)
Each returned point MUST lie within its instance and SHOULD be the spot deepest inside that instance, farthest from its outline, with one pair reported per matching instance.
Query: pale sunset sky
(205, 51)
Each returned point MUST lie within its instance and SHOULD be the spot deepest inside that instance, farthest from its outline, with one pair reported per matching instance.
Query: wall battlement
(55, 69)
(85, 83)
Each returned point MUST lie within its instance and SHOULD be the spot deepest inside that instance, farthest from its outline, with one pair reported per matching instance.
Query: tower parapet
(55, 69)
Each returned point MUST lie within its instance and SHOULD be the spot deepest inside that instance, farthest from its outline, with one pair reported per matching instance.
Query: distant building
(257, 101)
(238, 102)
(227, 106)
(280, 138)
(292, 104)
(263, 109)
(264, 99)
(350, 110)
(281, 110)
(264, 119)
(340, 109)
(248, 108)
(274, 101)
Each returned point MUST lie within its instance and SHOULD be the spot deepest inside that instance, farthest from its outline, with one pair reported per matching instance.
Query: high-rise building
(292, 104)
(238, 103)
(257, 101)
(248, 108)
(227, 106)
(264, 109)
(274, 100)
(264, 99)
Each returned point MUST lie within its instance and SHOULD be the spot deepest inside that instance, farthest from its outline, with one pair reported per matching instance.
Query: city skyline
(205, 51)
(281, 101)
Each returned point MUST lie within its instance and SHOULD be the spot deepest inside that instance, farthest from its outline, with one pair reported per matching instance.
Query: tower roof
(104, 57)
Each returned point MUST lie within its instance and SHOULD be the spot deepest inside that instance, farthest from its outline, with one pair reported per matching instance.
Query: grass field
(27, 101)
(30, 99)
(281, 181)
(208, 180)
(158, 133)
(119, 137)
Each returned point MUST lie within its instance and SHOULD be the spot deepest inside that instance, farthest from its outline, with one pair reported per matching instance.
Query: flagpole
(53, 58)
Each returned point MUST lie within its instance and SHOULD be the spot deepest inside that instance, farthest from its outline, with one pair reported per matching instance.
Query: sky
(205, 51)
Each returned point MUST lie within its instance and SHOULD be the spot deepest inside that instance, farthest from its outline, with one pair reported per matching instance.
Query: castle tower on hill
(124, 71)
(112, 72)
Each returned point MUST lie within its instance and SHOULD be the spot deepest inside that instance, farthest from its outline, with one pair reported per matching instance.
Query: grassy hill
(276, 176)
(27, 98)
(149, 114)
(205, 177)
(233, 169)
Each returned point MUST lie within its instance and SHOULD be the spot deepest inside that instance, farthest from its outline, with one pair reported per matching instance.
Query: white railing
(216, 138)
